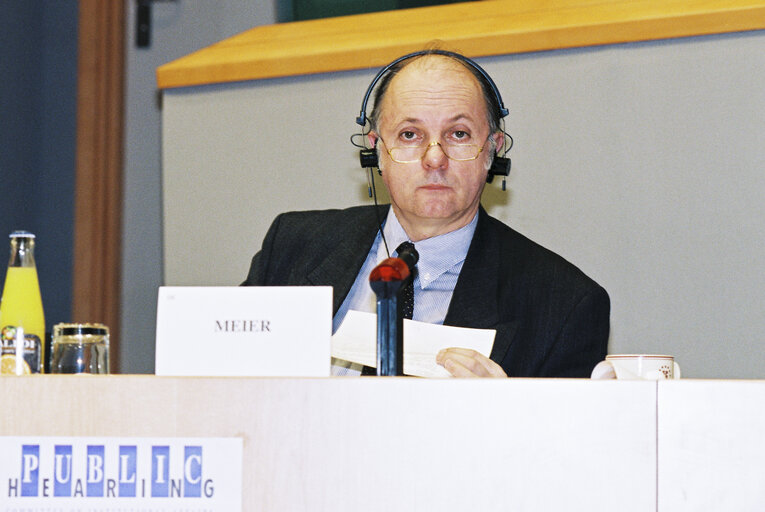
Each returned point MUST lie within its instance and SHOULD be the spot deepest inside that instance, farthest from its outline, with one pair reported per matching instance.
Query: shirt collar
(438, 254)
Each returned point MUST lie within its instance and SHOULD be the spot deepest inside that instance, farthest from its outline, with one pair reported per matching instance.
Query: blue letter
(62, 470)
(30, 469)
(95, 474)
(127, 475)
(192, 472)
(160, 471)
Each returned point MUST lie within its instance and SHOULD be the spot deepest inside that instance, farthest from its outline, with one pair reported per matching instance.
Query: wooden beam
(98, 181)
(492, 27)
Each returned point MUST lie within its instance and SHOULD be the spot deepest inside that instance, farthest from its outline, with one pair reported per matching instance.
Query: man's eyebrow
(458, 117)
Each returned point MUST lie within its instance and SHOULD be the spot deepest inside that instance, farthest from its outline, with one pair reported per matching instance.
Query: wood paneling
(98, 196)
(493, 27)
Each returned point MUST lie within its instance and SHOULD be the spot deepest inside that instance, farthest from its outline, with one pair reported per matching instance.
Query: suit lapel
(349, 251)
(475, 299)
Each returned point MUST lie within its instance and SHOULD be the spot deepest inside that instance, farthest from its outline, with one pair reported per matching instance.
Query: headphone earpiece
(499, 167)
(368, 158)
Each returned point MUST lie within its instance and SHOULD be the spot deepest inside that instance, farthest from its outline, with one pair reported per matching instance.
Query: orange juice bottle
(21, 306)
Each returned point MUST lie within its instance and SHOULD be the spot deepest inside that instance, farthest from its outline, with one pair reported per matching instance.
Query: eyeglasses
(455, 152)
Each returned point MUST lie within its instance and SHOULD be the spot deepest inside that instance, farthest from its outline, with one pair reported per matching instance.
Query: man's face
(434, 99)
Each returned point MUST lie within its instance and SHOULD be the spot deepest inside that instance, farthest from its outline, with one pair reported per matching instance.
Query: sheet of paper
(356, 341)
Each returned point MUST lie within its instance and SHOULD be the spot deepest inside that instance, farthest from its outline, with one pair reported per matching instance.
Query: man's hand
(464, 362)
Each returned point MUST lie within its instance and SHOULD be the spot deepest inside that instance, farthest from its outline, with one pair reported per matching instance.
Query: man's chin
(436, 210)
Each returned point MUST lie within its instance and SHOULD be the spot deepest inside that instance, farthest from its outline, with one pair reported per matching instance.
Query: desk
(389, 444)
(711, 445)
(414, 444)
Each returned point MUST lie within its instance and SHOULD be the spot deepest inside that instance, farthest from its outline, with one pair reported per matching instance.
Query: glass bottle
(21, 306)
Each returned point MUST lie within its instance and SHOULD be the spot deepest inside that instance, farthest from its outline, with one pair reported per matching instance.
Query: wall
(641, 163)
(177, 28)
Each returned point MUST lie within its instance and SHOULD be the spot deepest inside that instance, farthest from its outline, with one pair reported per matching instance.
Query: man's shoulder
(311, 216)
(522, 256)
(299, 241)
(311, 224)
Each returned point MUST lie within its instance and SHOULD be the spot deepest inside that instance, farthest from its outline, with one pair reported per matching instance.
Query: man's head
(493, 108)
(437, 103)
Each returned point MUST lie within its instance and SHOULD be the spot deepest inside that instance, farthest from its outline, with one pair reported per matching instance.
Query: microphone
(409, 255)
(386, 280)
(399, 268)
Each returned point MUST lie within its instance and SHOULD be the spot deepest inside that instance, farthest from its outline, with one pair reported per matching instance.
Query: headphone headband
(362, 119)
(500, 165)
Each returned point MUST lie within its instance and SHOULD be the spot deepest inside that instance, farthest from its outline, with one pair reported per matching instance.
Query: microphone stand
(387, 279)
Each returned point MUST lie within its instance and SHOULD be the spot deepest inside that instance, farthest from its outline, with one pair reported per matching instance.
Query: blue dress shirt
(439, 266)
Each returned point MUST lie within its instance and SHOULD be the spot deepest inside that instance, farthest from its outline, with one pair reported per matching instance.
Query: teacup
(637, 366)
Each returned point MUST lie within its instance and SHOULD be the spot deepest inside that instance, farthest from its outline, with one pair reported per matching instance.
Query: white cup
(636, 367)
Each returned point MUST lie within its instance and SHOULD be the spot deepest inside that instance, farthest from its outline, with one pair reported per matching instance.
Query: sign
(274, 331)
(79, 474)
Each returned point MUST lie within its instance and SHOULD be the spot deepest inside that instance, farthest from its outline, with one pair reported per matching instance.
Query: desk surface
(509, 444)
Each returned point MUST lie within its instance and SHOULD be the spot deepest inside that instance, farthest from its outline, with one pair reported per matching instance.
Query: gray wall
(178, 28)
(641, 163)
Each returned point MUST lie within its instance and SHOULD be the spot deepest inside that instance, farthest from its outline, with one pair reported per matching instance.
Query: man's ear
(499, 140)
(372, 138)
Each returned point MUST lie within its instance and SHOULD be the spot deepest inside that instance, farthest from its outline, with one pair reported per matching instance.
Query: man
(436, 129)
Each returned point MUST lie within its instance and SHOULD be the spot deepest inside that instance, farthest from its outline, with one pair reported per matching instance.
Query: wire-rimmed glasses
(455, 152)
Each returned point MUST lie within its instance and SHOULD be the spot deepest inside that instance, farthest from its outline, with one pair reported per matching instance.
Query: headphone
(368, 156)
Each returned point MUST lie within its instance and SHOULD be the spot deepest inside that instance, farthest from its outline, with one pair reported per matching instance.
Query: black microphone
(387, 280)
(409, 254)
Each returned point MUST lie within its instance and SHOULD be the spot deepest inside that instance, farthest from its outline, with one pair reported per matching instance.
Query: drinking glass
(80, 348)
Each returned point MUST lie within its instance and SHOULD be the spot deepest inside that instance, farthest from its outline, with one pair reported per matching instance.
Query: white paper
(356, 341)
(244, 331)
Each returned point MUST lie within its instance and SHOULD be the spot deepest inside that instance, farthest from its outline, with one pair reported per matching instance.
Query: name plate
(244, 331)
(97, 473)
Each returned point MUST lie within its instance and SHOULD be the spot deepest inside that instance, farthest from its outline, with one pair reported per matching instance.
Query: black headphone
(368, 157)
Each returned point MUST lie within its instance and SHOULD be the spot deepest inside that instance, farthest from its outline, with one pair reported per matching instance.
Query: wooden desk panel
(379, 444)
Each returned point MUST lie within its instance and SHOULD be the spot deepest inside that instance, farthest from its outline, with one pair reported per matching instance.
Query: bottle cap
(21, 234)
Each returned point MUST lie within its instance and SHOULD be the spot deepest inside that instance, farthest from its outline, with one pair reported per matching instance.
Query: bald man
(436, 128)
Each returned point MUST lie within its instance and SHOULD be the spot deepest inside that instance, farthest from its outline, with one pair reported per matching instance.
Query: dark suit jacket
(551, 319)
